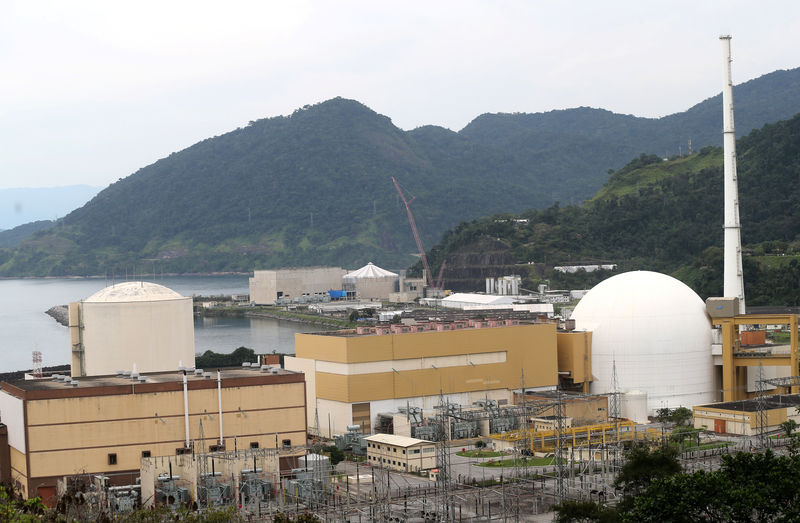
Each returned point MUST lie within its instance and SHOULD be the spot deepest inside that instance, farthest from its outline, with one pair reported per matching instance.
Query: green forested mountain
(664, 216)
(315, 187)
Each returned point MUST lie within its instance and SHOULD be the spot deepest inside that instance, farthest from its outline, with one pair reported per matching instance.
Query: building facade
(352, 376)
(267, 286)
(108, 424)
(400, 453)
(742, 417)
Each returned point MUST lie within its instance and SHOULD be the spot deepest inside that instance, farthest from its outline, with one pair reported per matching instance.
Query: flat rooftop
(773, 401)
(150, 381)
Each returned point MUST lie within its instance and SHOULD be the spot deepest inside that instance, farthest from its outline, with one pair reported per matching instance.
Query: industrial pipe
(186, 407)
(219, 397)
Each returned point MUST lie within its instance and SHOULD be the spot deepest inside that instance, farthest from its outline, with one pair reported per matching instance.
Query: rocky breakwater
(60, 313)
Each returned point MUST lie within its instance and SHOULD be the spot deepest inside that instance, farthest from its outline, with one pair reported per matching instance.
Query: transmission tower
(761, 406)
(37, 363)
(559, 448)
(443, 462)
(614, 407)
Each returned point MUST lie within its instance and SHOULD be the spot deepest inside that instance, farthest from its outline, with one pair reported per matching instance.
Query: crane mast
(407, 203)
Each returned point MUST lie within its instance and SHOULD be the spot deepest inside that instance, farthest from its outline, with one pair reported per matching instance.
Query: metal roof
(397, 441)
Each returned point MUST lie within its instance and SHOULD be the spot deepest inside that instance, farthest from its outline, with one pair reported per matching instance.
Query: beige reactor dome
(657, 331)
(132, 323)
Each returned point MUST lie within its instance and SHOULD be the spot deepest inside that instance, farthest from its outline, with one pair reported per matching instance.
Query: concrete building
(370, 282)
(352, 376)
(400, 453)
(107, 424)
(742, 417)
(267, 286)
(131, 323)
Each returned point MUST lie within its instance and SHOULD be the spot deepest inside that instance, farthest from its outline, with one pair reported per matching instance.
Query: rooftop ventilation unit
(207, 375)
(265, 368)
(198, 372)
(120, 373)
(74, 383)
(142, 379)
(274, 371)
(246, 364)
(67, 380)
(126, 373)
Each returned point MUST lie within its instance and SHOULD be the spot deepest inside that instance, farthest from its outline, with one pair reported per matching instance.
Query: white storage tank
(633, 406)
(130, 323)
(657, 331)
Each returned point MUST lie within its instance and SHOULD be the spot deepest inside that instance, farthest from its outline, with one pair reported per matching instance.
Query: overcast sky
(91, 91)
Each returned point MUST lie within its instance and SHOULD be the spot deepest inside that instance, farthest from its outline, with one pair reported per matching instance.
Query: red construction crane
(439, 284)
(416, 234)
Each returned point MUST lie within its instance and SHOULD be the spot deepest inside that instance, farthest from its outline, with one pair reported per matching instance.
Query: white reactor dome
(133, 291)
(655, 328)
(138, 326)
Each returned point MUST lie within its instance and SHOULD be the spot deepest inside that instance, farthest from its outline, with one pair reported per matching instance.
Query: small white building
(400, 453)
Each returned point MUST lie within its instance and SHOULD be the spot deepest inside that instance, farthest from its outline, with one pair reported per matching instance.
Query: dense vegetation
(667, 216)
(314, 187)
(747, 487)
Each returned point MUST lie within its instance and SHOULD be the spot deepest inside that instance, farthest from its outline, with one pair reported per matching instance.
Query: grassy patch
(479, 454)
(529, 462)
(705, 446)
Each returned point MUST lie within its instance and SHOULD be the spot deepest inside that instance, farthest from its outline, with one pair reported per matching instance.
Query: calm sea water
(24, 326)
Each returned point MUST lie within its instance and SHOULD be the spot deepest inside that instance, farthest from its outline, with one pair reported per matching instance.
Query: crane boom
(416, 233)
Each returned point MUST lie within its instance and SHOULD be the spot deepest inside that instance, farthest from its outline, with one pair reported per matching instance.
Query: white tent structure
(656, 332)
(463, 300)
(370, 282)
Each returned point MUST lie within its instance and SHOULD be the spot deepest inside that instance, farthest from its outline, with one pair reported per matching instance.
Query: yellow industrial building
(742, 417)
(353, 375)
(108, 424)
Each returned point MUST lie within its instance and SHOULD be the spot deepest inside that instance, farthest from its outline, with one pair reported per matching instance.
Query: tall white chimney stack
(733, 278)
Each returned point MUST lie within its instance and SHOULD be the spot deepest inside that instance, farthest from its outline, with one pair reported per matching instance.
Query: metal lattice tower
(614, 407)
(761, 405)
(559, 448)
(443, 462)
(37, 363)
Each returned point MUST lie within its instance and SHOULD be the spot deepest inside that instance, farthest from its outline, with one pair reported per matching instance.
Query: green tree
(747, 487)
(789, 426)
(680, 416)
(644, 465)
(569, 511)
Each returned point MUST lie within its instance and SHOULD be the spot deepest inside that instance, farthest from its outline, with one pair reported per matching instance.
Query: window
(145, 453)
(404, 451)
(112, 459)
(428, 450)
(253, 444)
(287, 443)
